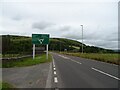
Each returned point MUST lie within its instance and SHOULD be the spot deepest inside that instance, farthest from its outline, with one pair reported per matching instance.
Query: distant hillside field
(12, 44)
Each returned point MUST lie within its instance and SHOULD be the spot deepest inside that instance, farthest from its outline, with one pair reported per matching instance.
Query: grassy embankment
(5, 86)
(27, 61)
(109, 58)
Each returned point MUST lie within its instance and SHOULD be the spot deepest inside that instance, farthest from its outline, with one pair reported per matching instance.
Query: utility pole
(82, 38)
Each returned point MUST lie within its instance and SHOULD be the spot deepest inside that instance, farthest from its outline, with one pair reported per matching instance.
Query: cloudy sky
(62, 18)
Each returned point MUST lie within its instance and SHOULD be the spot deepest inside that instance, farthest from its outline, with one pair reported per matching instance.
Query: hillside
(23, 44)
(74, 46)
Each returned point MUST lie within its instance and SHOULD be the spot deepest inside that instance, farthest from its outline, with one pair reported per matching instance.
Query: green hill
(22, 44)
(74, 46)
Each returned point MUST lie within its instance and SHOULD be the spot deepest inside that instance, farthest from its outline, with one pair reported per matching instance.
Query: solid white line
(53, 63)
(55, 72)
(53, 60)
(55, 80)
(106, 73)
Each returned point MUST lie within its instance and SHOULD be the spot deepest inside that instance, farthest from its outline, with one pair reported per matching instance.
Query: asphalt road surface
(35, 76)
(75, 72)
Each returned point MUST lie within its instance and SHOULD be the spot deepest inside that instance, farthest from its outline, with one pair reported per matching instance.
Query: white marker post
(47, 51)
(33, 51)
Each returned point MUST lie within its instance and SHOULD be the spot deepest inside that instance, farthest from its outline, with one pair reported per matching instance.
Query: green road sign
(40, 39)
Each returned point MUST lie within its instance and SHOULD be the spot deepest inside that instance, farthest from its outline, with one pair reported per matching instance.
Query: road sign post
(33, 51)
(40, 39)
(47, 51)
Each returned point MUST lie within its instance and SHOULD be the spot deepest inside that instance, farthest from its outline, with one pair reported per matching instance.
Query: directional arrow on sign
(41, 40)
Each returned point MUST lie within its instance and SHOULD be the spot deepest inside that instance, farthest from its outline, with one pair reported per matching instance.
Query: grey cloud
(77, 34)
(102, 43)
(17, 18)
(97, 39)
(112, 37)
(41, 25)
(72, 36)
(64, 28)
(98, 26)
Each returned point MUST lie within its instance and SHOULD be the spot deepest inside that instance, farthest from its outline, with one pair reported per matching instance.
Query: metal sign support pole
(33, 51)
(47, 51)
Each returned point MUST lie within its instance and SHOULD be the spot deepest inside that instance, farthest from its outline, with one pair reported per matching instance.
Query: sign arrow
(41, 40)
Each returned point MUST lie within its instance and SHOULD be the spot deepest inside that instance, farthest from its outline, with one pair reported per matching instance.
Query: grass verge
(26, 61)
(5, 86)
(109, 58)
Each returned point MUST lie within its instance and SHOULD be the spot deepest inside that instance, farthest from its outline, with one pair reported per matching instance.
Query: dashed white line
(69, 59)
(55, 80)
(63, 57)
(75, 61)
(105, 73)
(79, 63)
(55, 72)
(54, 68)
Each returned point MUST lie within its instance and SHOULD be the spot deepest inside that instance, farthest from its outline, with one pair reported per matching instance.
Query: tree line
(23, 45)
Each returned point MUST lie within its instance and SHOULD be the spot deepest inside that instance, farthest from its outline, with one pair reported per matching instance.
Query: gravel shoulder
(28, 77)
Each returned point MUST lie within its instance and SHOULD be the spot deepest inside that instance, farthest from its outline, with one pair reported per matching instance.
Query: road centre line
(75, 61)
(69, 58)
(63, 57)
(105, 73)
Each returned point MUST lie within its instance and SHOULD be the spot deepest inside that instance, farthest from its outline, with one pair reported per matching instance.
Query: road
(75, 72)
(35, 76)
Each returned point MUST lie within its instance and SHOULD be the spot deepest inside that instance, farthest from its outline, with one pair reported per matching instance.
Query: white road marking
(69, 58)
(53, 65)
(55, 72)
(63, 57)
(79, 63)
(55, 80)
(105, 73)
(75, 61)
(54, 68)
